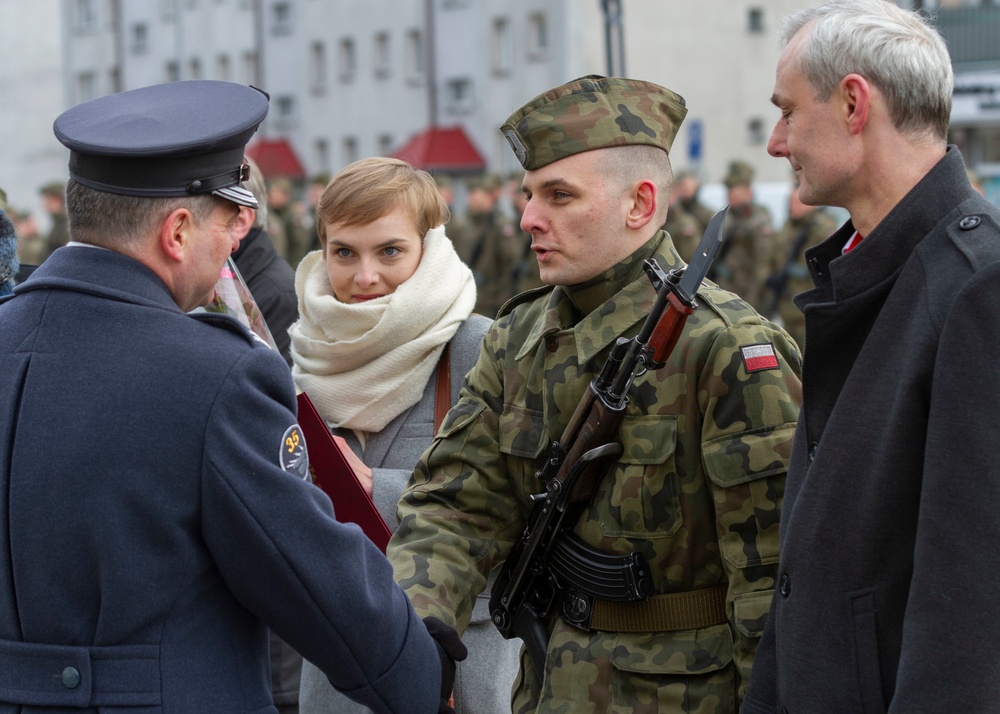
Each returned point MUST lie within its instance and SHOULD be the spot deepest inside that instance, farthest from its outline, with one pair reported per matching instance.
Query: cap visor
(238, 195)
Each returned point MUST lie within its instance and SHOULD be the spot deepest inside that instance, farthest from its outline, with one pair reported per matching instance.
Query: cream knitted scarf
(364, 364)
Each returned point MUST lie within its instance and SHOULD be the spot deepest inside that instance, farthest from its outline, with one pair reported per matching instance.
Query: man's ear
(857, 95)
(644, 199)
(176, 233)
(244, 221)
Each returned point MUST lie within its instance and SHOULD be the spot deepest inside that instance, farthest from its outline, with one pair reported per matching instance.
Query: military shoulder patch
(293, 456)
(759, 358)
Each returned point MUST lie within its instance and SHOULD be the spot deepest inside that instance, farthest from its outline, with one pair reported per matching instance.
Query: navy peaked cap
(176, 139)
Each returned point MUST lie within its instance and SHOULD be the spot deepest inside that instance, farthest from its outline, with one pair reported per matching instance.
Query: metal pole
(614, 37)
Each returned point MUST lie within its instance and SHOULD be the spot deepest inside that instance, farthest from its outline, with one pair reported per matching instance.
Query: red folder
(331, 472)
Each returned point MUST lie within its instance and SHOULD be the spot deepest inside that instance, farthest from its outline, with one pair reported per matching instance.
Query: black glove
(450, 650)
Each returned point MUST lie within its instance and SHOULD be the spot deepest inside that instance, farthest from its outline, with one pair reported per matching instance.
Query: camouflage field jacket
(697, 490)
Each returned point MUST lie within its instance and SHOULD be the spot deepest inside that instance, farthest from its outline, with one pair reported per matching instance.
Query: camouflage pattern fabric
(685, 230)
(818, 225)
(616, 112)
(740, 267)
(698, 488)
(58, 234)
(701, 213)
(493, 247)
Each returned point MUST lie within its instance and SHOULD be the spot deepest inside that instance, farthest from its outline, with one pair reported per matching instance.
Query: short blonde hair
(366, 190)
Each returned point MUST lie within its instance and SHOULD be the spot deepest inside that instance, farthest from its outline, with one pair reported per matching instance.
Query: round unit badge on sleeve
(293, 456)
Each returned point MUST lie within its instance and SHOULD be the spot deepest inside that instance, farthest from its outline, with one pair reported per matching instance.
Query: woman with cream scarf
(378, 303)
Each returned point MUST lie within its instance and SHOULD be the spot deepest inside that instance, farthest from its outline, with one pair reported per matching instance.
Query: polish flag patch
(758, 358)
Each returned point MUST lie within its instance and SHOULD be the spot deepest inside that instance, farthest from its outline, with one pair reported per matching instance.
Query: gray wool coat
(484, 681)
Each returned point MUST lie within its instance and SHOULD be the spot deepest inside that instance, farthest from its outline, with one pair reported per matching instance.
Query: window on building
(168, 10)
(454, 4)
(323, 155)
(281, 18)
(317, 66)
(755, 20)
(756, 132)
(85, 16)
(350, 150)
(347, 59)
(414, 56)
(251, 68)
(285, 110)
(115, 83)
(503, 46)
(86, 87)
(172, 72)
(538, 36)
(458, 95)
(140, 38)
(385, 144)
(383, 58)
(194, 68)
(223, 68)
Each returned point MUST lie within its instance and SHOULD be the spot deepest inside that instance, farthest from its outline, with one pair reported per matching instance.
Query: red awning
(446, 150)
(276, 157)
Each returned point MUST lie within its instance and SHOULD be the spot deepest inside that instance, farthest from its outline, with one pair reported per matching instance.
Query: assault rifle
(549, 557)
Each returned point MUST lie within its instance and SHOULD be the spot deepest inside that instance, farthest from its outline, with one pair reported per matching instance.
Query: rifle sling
(669, 612)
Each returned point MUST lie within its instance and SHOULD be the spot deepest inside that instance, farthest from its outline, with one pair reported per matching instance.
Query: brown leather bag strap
(442, 393)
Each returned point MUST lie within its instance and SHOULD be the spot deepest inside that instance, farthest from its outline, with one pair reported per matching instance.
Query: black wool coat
(887, 586)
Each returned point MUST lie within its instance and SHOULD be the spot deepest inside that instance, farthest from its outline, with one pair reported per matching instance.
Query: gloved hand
(450, 650)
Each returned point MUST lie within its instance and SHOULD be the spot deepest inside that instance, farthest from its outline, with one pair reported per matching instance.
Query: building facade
(355, 78)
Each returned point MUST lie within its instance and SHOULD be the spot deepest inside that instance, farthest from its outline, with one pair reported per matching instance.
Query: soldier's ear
(643, 201)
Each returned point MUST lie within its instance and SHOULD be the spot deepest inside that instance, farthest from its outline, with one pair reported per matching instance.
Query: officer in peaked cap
(148, 545)
(705, 441)
(168, 140)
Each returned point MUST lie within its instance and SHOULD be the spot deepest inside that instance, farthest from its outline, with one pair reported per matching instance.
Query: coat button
(785, 585)
(969, 222)
(551, 343)
(813, 448)
(70, 677)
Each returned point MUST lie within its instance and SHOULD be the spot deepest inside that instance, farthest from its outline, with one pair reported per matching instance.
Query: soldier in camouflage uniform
(686, 187)
(488, 242)
(740, 265)
(54, 202)
(699, 486)
(786, 264)
(685, 230)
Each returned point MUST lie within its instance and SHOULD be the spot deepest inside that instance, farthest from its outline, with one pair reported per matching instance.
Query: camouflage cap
(740, 174)
(593, 112)
(56, 189)
(484, 182)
